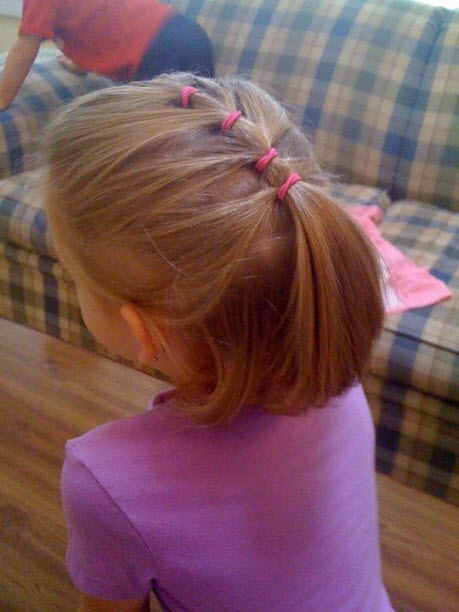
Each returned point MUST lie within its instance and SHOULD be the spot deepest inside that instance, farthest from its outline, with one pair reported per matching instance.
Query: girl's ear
(140, 331)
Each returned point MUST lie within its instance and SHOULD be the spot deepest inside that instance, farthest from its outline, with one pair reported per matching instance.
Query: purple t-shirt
(265, 513)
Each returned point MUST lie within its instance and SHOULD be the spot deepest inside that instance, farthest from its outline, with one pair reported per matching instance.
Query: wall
(8, 32)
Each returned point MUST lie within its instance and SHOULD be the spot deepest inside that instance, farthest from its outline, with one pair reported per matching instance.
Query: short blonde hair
(279, 301)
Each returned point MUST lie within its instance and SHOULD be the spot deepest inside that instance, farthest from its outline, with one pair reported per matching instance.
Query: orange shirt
(105, 36)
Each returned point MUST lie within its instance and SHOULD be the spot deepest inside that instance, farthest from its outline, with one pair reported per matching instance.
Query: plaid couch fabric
(416, 437)
(429, 156)
(46, 87)
(375, 83)
(413, 385)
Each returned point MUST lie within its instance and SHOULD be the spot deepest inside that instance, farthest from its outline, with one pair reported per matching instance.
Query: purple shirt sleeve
(106, 557)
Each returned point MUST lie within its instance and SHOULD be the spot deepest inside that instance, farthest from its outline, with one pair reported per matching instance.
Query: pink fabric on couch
(406, 284)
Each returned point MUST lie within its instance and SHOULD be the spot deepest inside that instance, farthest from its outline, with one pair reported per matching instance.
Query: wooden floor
(51, 391)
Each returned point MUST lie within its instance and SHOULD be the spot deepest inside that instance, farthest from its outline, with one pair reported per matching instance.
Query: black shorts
(181, 45)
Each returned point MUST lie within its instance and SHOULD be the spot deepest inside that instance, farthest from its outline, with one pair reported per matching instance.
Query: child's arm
(94, 604)
(18, 63)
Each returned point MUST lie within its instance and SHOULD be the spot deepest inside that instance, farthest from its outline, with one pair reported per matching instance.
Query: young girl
(121, 39)
(192, 216)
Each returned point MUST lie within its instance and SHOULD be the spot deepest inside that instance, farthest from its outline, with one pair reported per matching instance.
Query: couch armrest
(47, 86)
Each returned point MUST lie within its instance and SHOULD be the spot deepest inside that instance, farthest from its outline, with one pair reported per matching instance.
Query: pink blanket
(406, 284)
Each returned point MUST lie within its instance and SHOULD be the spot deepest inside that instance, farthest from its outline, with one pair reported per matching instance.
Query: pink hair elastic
(230, 120)
(266, 159)
(291, 180)
(187, 92)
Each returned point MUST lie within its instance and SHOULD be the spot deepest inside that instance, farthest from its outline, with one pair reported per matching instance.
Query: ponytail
(335, 309)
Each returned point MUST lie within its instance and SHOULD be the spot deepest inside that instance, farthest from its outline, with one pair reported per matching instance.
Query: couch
(374, 83)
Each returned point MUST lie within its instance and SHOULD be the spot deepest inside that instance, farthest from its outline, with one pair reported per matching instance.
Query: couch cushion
(429, 155)
(372, 81)
(419, 348)
(45, 88)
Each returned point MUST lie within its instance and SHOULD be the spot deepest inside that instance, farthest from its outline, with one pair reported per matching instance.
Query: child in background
(192, 216)
(122, 39)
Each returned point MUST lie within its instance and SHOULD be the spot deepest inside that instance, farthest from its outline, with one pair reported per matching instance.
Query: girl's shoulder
(117, 437)
(161, 437)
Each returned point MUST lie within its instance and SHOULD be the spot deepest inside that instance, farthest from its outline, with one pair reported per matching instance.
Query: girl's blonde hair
(276, 302)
